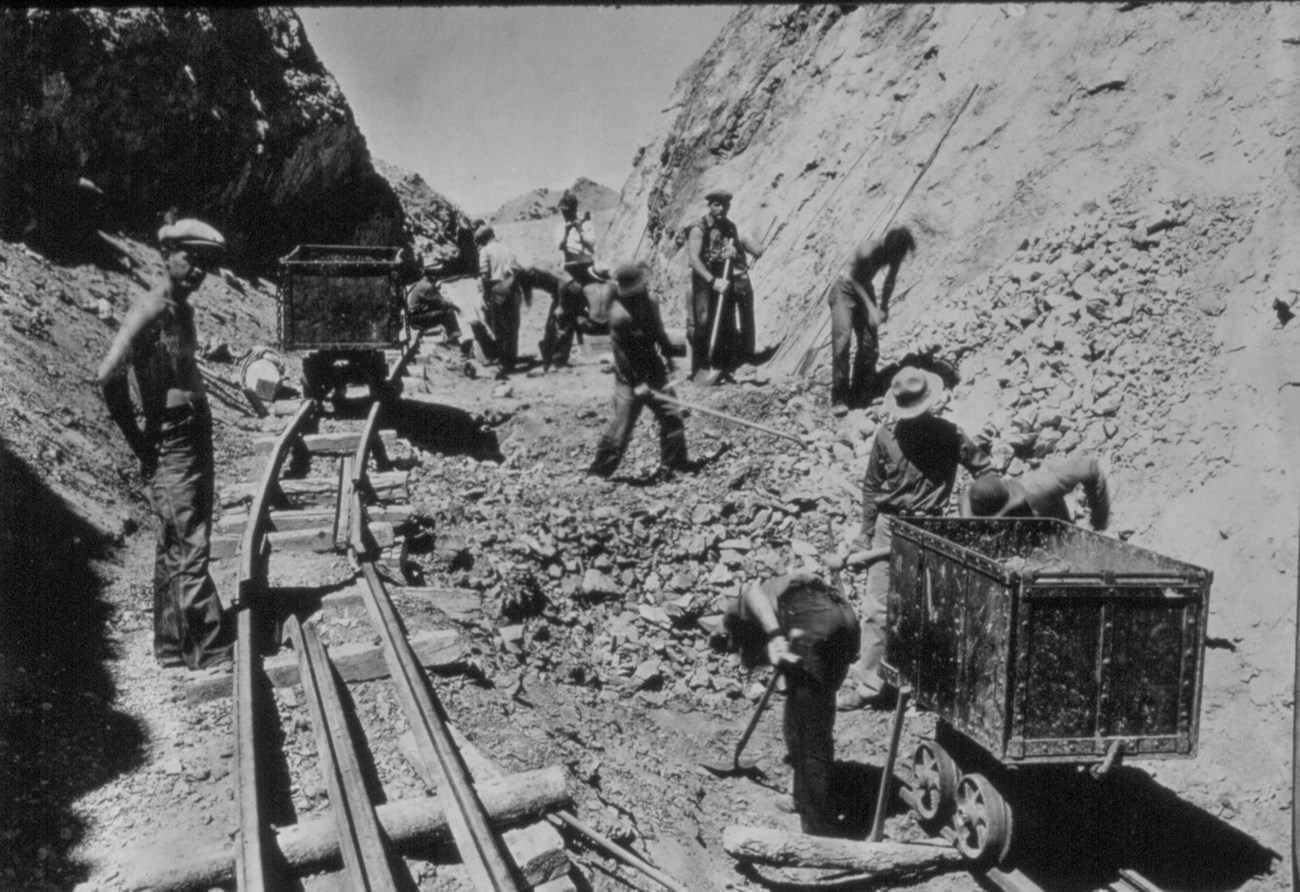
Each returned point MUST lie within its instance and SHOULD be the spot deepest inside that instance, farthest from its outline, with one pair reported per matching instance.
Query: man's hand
(778, 651)
(642, 390)
(721, 285)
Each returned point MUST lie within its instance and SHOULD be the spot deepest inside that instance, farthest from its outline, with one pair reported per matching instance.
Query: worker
(1041, 493)
(575, 238)
(498, 268)
(567, 311)
(717, 253)
(427, 308)
(635, 329)
(157, 343)
(856, 313)
(812, 636)
(911, 471)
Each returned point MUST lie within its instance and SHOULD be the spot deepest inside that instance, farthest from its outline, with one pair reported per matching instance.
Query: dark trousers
(431, 313)
(849, 321)
(503, 318)
(569, 306)
(188, 620)
(735, 343)
(627, 407)
(810, 740)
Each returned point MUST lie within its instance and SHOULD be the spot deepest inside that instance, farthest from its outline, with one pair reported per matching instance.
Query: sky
(488, 103)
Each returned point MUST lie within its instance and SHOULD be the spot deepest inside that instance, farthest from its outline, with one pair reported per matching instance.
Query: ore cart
(1037, 643)
(343, 304)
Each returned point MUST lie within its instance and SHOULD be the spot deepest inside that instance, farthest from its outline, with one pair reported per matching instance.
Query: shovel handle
(758, 712)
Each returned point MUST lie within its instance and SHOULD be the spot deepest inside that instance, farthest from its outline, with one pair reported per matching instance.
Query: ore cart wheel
(982, 821)
(934, 784)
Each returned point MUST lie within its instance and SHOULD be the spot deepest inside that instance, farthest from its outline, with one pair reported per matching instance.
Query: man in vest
(910, 472)
(635, 330)
(1041, 493)
(855, 312)
(717, 253)
(498, 268)
(811, 634)
(157, 342)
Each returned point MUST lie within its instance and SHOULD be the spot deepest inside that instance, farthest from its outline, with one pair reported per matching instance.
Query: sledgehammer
(647, 390)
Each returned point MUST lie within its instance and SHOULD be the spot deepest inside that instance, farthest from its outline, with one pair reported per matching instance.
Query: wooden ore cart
(1037, 643)
(344, 304)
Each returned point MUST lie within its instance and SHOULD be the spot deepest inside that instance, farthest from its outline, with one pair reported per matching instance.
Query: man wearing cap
(575, 238)
(427, 308)
(635, 329)
(498, 268)
(1041, 493)
(910, 472)
(807, 630)
(157, 344)
(855, 312)
(717, 253)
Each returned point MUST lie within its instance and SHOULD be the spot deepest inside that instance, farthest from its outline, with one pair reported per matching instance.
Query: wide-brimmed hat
(632, 279)
(912, 392)
(192, 233)
(721, 195)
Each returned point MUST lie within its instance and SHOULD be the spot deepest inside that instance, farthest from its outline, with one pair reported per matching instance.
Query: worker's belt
(185, 410)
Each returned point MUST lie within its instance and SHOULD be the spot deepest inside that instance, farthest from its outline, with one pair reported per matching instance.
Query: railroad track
(361, 835)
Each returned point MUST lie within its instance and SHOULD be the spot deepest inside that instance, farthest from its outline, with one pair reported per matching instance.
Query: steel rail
(480, 848)
(252, 546)
(365, 855)
(253, 871)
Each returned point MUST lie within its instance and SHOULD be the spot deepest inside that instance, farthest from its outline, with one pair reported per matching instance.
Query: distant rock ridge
(544, 202)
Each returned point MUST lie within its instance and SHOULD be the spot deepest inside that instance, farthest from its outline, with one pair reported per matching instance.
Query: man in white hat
(635, 330)
(911, 471)
(157, 343)
(718, 256)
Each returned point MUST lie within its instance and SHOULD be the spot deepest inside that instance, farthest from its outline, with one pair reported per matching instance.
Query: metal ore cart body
(1043, 642)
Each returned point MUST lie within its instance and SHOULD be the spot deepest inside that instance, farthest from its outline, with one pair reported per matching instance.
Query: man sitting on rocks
(811, 634)
(1041, 493)
(427, 308)
(635, 329)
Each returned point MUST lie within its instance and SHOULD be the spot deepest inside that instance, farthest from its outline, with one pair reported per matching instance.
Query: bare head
(899, 242)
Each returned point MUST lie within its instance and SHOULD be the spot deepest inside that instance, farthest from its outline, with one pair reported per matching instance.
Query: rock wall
(110, 118)
(1103, 248)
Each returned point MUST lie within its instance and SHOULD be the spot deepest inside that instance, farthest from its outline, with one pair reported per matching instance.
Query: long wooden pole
(672, 400)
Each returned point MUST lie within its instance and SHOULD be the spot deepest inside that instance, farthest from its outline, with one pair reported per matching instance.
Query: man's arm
(587, 235)
(973, 458)
(1085, 470)
(660, 334)
(871, 483)
(694, 247)
(111, 376)
(755, 250)
(484, 270)
(887, 290)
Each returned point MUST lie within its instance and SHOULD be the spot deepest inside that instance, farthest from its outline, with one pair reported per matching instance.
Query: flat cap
(718, 195)
(192, 232)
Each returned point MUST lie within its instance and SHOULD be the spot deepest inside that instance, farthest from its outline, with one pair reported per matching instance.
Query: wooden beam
(354, 662)
(782, 849)
(340, 443)
(321, 492)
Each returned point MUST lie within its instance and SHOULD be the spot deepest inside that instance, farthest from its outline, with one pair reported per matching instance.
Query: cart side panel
(1147, 675)
(908, 637)
(1059, 680)
(985, 640)
(341, 311)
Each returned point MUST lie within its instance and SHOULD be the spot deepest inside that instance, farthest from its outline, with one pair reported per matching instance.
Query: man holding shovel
(811, 635)
(717, 253)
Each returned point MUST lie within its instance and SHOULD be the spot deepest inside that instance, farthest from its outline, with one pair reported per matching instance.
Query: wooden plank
(320, 492)
(318, 540)
(354, 662)
(342, 516)
(339, 443)
(459, 604)
(777, 847)
(280, 521)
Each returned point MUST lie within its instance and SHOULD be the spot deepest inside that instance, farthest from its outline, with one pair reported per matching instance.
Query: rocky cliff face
(112, 117)
(1104, 197)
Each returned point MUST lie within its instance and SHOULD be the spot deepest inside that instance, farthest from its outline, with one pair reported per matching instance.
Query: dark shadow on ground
(444, 429)
(60, 736)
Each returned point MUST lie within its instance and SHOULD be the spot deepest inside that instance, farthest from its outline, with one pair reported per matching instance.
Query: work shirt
(1042, 491)
(635, 328)
(818, 624)
(496, 262)
(576, 238)
(716, 236)
(913, 466)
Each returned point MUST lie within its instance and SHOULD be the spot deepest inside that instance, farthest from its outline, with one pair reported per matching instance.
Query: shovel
(746, 767)
(710, 376)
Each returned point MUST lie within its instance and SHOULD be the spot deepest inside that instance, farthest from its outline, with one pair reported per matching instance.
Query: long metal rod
(251, 866)
(364, 853)
(567, 819)
(887, 773)
(705, 410)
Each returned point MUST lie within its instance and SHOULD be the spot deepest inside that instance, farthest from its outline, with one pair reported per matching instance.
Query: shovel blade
(734, 768)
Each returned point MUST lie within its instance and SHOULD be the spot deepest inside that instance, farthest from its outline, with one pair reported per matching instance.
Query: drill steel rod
(672, 400)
